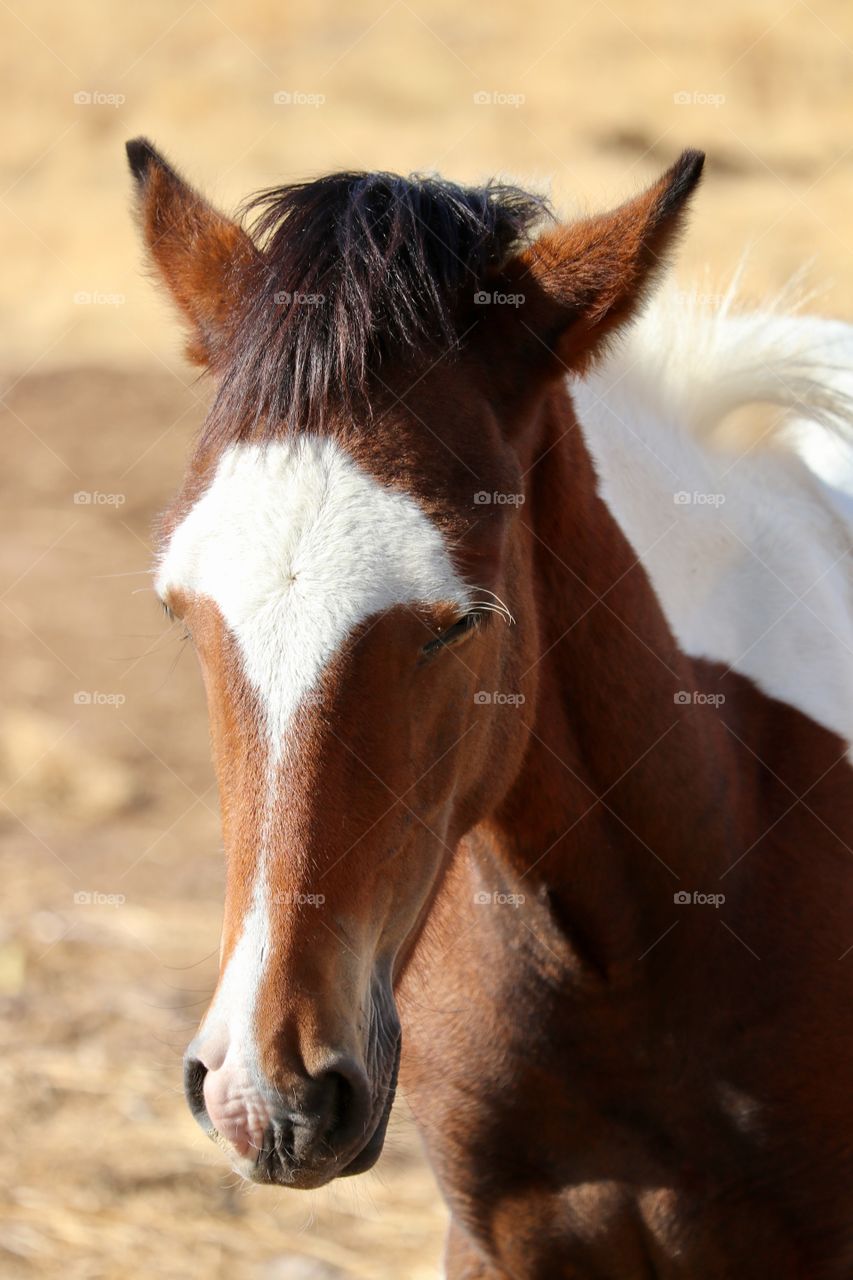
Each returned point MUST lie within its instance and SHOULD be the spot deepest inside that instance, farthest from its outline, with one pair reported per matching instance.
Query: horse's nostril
(346, 1105)
(194, 1073)
(338, 1099)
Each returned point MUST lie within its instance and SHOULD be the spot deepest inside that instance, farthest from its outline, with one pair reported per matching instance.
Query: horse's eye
(457, 631)
(173, 618)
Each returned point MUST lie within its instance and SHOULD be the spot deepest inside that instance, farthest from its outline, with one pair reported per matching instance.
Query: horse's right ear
(199, 254)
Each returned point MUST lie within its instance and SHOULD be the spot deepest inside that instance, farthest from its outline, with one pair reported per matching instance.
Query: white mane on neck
(746, 534)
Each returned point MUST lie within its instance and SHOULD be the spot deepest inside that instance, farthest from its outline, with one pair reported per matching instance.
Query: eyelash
(471, 622)
(174, 618)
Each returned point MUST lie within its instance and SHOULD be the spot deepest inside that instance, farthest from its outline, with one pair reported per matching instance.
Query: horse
(528, 676)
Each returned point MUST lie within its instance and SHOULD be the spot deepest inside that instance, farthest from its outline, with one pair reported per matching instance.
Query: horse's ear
(200, 255)
(592, 276)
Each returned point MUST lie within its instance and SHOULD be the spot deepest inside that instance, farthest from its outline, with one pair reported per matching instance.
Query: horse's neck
(615, 801)
(579, 1011)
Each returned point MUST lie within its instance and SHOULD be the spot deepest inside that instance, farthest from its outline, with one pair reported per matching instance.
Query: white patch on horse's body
(748, 550)
(296, 545)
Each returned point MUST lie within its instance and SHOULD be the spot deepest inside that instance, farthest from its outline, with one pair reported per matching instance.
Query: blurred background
(111, 860)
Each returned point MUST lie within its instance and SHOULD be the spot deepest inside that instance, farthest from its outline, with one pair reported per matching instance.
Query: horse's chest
(583, 1153)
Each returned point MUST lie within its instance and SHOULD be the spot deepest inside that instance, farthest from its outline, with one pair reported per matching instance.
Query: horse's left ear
(200, 255)
(592, 276)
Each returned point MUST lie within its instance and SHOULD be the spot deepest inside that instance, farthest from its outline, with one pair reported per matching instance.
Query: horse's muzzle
(319, 1129)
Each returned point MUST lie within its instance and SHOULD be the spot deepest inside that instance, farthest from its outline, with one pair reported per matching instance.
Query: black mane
(356, 269)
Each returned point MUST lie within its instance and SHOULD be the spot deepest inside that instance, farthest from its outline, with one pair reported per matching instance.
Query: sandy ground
(107, 789)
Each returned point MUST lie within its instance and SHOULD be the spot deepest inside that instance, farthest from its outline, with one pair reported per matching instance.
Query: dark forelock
(356, 270)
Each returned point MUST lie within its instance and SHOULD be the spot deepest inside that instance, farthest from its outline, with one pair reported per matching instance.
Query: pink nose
(321, 1121)
(223, 1093)
(236, 1108)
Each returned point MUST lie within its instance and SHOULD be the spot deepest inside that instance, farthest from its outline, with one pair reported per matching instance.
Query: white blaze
(296, 545)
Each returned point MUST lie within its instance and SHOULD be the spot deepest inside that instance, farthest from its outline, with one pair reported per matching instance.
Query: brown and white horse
(530, 704)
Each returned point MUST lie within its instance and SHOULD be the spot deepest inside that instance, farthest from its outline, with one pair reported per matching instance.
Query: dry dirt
(107, 789)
